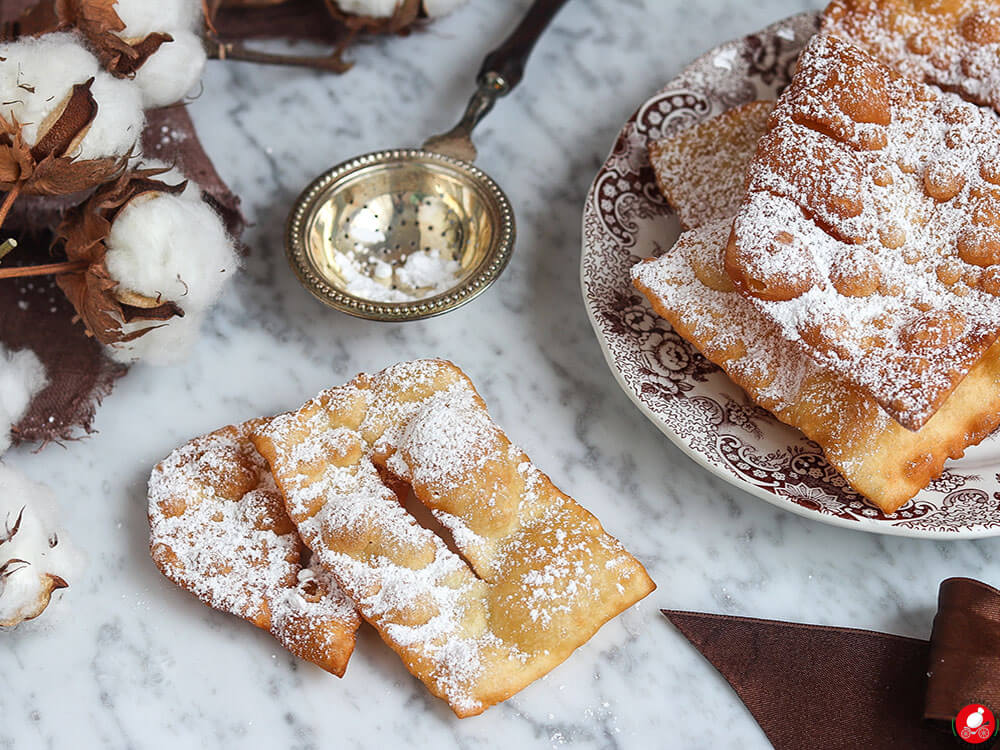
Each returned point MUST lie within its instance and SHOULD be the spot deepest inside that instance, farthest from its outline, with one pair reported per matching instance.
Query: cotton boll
(41, 558)
(36, 76)
(22, 377)
(374, 8)
(144, 17)
(172, 71)
(166, 345)
(435, 8)
(119, 122)
(170, 247)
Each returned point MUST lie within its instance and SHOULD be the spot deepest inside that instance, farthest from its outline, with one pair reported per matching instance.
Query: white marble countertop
(127, 660)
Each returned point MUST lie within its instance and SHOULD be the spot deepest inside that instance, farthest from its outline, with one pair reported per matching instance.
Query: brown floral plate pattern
(689, 398)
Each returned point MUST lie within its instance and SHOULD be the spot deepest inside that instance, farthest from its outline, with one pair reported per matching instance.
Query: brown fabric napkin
(816, 687)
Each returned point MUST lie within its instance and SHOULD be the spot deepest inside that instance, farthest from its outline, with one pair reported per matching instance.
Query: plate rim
(865, 525)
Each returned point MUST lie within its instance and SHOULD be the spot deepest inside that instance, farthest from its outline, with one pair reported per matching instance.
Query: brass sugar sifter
(410, 233)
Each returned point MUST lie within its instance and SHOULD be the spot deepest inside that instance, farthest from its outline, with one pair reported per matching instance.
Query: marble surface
(126, 660)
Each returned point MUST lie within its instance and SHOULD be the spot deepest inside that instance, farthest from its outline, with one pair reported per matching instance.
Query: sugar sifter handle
(502, 70)
(505, 64)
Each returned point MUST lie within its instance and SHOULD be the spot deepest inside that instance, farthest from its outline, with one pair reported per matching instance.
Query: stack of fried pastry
(518, 578)
(850, 281)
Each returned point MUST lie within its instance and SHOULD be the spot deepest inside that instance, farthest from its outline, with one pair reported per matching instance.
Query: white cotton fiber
(171, 247)
(434, 8)
(40, 546)
(22, 377)
(119, 122)
(175, 247)
(173, 71)
(166, 345)
(37, 76)
(143, 17)
(374, 8)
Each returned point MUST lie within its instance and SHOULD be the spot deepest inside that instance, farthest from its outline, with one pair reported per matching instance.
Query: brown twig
(238, 51)
(208, 9)
(47, 269)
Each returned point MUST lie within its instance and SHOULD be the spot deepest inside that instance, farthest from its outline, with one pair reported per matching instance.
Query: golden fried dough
(721, 148)
(953, 44)
(883, 461)
(870, 231)
(219, 529)
(539, 574)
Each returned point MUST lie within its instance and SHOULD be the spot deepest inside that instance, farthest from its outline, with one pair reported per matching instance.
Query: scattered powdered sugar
(446, 439)
(423, 422)
(726, 58)
(956, 50)
(465, 538)
(830, 198)
(424, 274)
(218, 529)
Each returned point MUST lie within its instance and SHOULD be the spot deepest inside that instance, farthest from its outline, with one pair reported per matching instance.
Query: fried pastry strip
(539, 574)
(219, 529)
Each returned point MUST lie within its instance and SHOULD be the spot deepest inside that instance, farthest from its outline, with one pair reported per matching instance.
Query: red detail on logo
(975, 724)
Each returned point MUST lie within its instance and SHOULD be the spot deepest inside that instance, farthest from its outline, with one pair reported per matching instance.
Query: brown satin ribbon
(964, 663)
(820, 688)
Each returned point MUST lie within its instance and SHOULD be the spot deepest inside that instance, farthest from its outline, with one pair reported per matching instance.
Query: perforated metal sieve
(367, 236)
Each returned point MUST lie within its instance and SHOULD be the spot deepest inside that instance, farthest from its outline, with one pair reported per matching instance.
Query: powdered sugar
(771, 368)
(877, 456)
(721, 147)
(424, 274)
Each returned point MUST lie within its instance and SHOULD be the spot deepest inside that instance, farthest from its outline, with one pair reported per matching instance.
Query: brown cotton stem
(237, 51)
(47, 269)
(8, 202)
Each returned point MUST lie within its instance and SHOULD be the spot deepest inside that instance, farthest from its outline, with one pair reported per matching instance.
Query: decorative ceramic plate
(689, 398)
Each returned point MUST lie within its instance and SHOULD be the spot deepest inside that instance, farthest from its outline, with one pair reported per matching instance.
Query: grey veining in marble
(126, 660)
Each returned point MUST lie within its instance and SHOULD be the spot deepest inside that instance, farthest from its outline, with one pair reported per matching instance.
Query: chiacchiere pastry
(219, 529)
(870, 231)
(537, 575)
(953, 44)
(689, 287)
(721, 148)
(882, 460)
